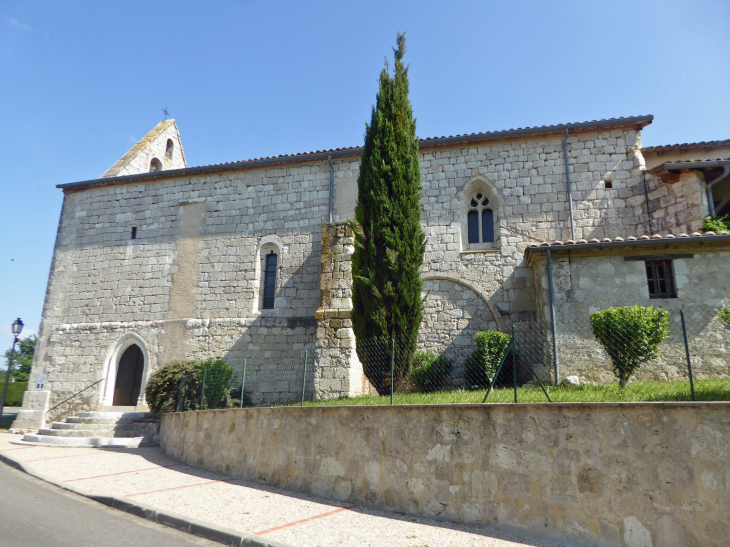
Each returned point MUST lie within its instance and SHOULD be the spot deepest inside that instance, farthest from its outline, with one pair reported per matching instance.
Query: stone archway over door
(129, 377)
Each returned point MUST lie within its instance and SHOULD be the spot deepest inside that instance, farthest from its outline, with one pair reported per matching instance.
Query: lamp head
(17, 327)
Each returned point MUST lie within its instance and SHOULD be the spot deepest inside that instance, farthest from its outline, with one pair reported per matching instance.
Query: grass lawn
(705, 390)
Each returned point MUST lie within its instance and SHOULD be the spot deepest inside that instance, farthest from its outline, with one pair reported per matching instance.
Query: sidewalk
(147, 477)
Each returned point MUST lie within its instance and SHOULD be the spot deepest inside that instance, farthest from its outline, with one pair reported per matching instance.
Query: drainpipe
(567, 179)
(710, 199)
(646, 195)
(552, 317)
(332, 183)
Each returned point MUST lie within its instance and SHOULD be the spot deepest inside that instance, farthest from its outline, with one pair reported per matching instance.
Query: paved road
(33, 512)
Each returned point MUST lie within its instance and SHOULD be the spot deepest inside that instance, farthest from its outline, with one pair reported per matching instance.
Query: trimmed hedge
(162, 390)
(178, 380)
(482, 364)
(14, 397)
(429, 372)
(631, 336)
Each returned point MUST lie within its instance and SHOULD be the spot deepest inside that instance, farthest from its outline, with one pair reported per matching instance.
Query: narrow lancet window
(473, 219)
(487, 226)
(270, 281)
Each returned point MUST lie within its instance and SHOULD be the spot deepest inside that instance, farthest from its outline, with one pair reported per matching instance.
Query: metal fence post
(181, 385)
(392, 366)
(553, 327)
(304, 376)
(243, 380)
(514, 362)
(202, 390)
(686, 350)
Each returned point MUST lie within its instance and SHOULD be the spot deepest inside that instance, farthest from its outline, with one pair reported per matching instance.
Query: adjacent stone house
(156, 261)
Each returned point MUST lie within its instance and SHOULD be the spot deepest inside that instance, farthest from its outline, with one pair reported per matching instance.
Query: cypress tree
(389, 242)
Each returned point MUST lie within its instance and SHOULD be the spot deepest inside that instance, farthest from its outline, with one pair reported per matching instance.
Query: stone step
(109, 421)
(115, 415)
(87, 426)
(80, 433)
(119, 409)
(33, 439)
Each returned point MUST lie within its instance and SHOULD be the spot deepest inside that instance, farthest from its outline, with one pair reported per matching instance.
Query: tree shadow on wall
(272, 346)
(454, 314)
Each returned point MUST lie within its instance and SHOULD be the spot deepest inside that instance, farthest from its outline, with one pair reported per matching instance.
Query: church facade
(156, 261)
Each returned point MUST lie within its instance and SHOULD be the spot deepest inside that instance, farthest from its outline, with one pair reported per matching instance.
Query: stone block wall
(677, 206)
(338, 370)
(635, 474)
(190, 283)
(197, 254)
(584, 284)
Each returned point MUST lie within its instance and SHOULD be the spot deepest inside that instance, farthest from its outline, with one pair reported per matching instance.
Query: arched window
(480, 219)
(269, 287)
(155, 165)
(168, 150)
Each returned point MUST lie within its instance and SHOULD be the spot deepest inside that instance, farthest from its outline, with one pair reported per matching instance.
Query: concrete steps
(116, 428)
(45, 440)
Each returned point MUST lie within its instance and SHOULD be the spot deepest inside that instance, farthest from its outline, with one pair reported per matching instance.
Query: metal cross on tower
(166, 112)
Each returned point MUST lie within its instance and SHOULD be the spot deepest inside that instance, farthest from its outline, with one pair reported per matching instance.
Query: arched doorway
(129, 377)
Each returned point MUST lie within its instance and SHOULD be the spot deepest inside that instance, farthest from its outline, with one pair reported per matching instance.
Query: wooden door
(129, 377)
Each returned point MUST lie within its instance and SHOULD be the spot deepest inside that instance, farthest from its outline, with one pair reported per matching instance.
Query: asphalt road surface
(35, 513)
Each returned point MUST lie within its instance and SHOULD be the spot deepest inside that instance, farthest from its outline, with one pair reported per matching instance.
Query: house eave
(708, 241)
(637, 122)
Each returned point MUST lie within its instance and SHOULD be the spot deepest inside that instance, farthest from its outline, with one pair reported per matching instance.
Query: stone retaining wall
(637, 474)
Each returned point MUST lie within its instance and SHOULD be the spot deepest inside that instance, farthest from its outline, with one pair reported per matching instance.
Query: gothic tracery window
(480, 219)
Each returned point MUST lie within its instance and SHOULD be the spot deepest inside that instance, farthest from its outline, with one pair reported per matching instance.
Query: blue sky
(82, 81)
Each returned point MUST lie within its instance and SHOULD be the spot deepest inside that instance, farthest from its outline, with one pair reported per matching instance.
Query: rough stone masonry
(172, 259)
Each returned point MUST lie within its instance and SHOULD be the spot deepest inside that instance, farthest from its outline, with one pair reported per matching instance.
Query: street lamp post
(17, 329)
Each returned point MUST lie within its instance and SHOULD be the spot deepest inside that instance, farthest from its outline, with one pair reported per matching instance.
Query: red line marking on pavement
(125, 472)
(178, 487)
(315, 517)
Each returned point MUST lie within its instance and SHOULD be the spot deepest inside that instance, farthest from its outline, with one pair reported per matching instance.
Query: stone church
(156, 261)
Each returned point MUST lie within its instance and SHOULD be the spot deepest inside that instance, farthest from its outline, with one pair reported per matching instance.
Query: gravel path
(147, 475)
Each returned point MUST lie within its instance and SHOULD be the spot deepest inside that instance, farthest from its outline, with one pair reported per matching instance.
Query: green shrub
(218, 377)
(163, 386)
(631, 336)
(482, 364)
(429, 372)
(178, 385)
(235, 396)
(716, 224)
(724, 315)
(14, 396)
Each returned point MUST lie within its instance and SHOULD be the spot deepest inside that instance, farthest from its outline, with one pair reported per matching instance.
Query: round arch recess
(111, 366)
(477, 290)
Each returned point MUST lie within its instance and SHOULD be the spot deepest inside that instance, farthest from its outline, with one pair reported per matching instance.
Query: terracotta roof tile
(657, 237)
(506, 133)
(701, 144)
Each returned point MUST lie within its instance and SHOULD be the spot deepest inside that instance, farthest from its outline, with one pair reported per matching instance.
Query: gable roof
(141, 147)
(638, 122)
(686, 146)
